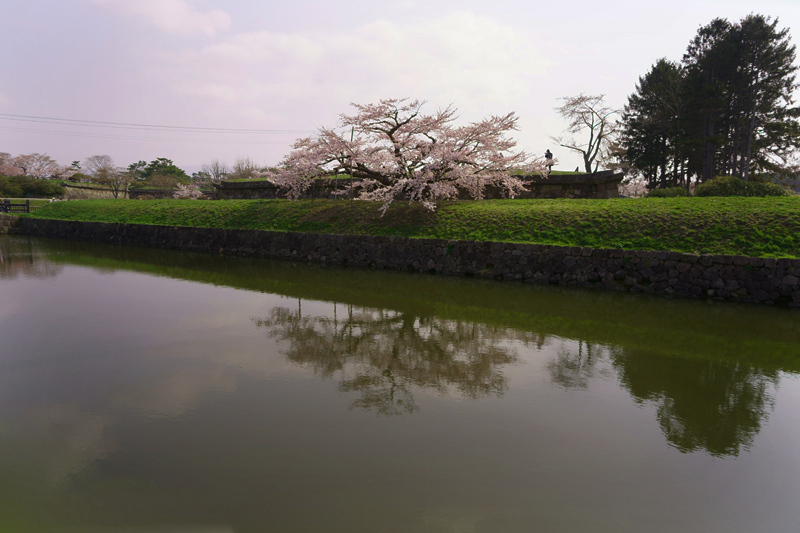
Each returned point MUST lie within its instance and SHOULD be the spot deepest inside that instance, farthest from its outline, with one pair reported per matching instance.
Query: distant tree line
(725, 109)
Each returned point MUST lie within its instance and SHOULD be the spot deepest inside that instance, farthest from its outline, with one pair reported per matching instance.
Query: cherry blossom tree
(38, 166)
(398, 152)
(7, 166)
(34, 165)
(187, 192)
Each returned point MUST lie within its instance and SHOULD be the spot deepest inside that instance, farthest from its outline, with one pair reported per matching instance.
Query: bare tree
(215, 170)
(587, 114)
(120, 181)
(102, 170)
(244, 169)
(99, 167)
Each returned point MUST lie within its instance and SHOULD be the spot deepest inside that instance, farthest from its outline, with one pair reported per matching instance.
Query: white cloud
(171, 16)
(472, 61)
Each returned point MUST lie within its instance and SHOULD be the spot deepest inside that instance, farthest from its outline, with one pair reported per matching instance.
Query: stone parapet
(721, 277)
(600, 185)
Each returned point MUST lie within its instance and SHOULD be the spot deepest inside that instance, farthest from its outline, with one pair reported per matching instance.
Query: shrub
(731, 186)
(41, 189)
(24, 187)
(9, 189)
(79, 177)
(669, 192)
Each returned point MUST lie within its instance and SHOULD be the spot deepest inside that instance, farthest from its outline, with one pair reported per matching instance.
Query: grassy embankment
(765, 227)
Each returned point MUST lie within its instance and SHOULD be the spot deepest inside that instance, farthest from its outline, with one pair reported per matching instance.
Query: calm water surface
(145, 390)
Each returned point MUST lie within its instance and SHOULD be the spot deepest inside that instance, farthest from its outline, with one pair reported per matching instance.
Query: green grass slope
(765, 227)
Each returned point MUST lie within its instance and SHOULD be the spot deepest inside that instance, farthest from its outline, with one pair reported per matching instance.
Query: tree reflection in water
(384, 354)
(714, 406)
(575, 369)
(702, 405)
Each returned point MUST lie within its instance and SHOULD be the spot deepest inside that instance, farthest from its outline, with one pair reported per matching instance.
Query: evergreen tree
(727, 110)
(653, 135)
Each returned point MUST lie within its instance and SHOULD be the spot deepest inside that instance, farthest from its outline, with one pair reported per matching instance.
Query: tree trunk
(751, 131)
(675, 175)
(708, 148)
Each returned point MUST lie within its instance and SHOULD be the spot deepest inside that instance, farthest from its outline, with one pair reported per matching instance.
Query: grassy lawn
(767, 227)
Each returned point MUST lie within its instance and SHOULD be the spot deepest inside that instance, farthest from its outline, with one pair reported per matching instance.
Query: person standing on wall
(548, 161)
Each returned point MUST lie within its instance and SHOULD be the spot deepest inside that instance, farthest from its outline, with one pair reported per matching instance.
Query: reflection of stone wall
(738, 278)
(598, 185)
(17, 258)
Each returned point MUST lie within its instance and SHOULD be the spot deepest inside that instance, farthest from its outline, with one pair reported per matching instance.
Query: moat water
(155, 391)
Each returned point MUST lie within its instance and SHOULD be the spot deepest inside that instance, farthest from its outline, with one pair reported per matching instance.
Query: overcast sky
(271, 65)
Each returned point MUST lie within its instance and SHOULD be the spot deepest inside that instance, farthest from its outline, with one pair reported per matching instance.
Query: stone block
(702, 283)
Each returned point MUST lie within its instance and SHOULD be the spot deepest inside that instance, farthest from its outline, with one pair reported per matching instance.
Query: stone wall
(722, 277)
(599, 185)
(7, 221)
(75, 191)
